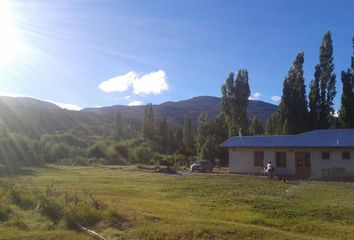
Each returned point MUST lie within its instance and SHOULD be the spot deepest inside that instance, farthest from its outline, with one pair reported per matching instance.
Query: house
(318, 153)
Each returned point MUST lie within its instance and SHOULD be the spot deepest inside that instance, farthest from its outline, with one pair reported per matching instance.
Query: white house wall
(334, 165)
(241, 161)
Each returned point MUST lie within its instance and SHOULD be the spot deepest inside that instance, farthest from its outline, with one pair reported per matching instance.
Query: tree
(256, 127)
(242, 94)
(118, 133)
(171, 142)
(208, 149)
(162, 134)
(271, 126)
(221, 135)
(178, 139)
(234, 102)
(148, 122)
(292, 111)
(188, 140)
(203, 132)
(322, 87)
(346, 112)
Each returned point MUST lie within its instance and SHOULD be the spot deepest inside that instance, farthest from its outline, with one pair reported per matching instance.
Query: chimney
(240, 132)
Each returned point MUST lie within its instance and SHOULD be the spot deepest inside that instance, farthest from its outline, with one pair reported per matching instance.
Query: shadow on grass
(16, 171)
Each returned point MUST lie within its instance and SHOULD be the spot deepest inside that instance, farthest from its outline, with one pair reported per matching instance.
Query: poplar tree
(256, 127)
(178, 139)
(271, 126)
(242, 94)
(234, 102)
(292, 111)
(322, 87)
(203, 131)
(346, 112)
(206, 138)
(188, 140)
(118, 133)
(162, 134)
(148, 122)
(221, 135)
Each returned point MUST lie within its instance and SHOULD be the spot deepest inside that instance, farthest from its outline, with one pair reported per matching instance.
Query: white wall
(241, 161)
(335, 164)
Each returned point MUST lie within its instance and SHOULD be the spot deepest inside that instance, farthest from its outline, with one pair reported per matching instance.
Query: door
(302, 164)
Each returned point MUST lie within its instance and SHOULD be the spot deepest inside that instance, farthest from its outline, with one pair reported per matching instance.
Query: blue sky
(99, 53)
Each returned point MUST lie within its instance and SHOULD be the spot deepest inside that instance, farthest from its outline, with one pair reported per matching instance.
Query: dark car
(202, 166)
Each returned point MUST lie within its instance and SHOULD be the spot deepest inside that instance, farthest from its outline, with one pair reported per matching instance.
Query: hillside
(32, 116)
(176, 111)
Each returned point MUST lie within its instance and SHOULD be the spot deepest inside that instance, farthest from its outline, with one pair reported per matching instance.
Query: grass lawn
(157, 206)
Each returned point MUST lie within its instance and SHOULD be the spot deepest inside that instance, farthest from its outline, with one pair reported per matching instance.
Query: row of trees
(295, 114)
(201, 141)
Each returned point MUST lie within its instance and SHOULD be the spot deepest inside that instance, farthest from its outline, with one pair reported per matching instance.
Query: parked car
(202, 166)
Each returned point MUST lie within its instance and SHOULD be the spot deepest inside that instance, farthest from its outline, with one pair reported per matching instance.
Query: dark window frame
(325, 155)
(258, 158)
(346, 155)
(280, 159)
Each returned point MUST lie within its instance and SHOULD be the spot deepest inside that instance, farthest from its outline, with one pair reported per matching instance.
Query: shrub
(175, 160)
(22, 199)
(58, 151)
(141, 154)
(5, 212)
(82, 214)
(19, 223)
(52, 209)
(98, 150)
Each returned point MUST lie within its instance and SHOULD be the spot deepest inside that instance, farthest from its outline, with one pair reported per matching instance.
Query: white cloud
(151, 83)
(135, 103)
(255, 96)
(119, 83)
(275, 99)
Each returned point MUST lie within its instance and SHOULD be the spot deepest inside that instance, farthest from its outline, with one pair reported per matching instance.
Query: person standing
(270, 170)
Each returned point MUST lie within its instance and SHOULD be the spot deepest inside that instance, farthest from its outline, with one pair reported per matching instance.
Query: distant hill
(176, 111)
(32, 116)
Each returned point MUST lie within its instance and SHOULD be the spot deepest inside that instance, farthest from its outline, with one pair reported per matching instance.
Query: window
(325, 155)
(258, 157)
(280, 159)
(346, 155)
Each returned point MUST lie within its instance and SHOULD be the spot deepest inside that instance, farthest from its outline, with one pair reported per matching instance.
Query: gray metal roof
(315, 138)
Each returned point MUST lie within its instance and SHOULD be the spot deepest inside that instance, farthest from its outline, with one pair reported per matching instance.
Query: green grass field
(157, 206)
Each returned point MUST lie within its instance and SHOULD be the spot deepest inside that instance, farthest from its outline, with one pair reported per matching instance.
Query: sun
(10, 43)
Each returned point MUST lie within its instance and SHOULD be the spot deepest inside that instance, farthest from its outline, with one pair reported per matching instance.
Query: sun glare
(10, 43)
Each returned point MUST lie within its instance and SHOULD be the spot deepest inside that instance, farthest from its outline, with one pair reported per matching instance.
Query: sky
(85, 53)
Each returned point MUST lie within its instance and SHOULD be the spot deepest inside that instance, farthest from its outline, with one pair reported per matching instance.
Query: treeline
(296, 114)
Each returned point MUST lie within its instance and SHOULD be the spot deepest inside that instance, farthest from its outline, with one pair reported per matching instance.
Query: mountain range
(29, 115)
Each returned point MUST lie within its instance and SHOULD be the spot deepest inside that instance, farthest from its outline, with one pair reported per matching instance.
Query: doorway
(303, 164)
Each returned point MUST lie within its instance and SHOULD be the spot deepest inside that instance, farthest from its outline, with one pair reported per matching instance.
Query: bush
(22, 199)
(5, 212)
(142, 154)
(58, 151)
(52, 209)
(82, 214)
(118, 154)
(175, 160)
(19, 223)
(98, 150)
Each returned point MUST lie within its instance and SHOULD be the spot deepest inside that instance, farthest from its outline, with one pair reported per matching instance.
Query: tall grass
(125, 203)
